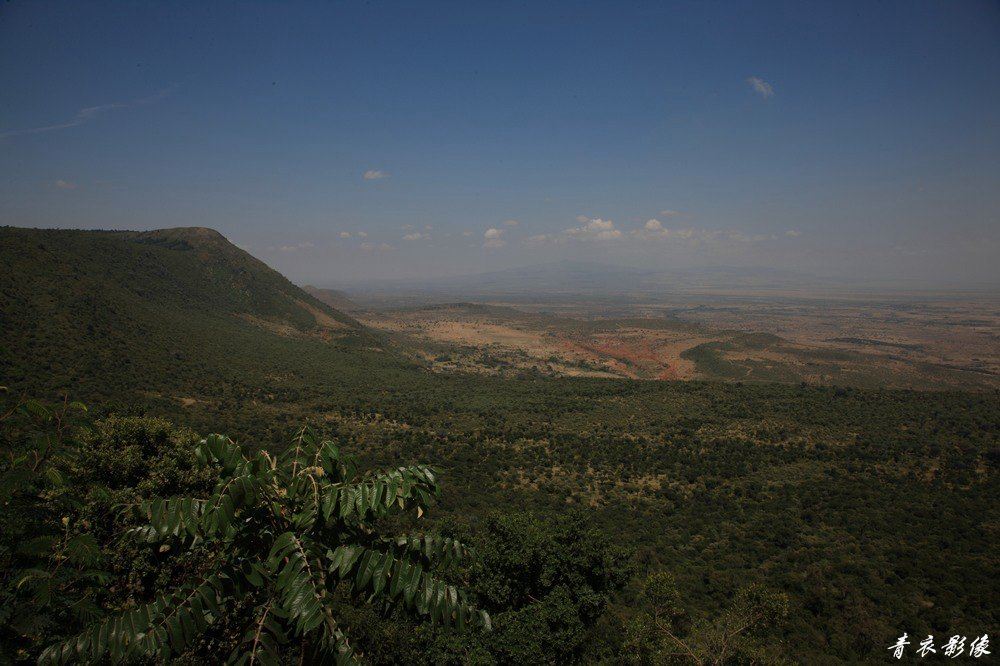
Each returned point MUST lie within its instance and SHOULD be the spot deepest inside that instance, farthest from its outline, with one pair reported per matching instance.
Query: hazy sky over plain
(351, 140)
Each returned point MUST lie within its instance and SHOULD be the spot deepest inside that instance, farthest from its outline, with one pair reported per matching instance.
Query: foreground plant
(48, 566)
(284, 535)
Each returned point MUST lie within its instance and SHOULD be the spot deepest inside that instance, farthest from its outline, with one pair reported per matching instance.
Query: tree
(663, 634)
(277, 541)
(47, 565)
(547, 582)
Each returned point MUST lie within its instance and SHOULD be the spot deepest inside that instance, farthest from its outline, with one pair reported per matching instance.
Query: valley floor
(919, 343)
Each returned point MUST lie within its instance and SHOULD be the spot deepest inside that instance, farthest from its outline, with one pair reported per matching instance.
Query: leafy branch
(285, 532)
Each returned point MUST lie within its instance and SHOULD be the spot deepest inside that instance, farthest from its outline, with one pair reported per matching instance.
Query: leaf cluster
(281, 535)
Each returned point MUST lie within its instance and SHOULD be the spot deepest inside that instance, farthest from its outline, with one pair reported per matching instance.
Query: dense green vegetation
(89, 308)
(274, 542)
(726, 360)
(662, 631)
(275, 559)
(873, 511)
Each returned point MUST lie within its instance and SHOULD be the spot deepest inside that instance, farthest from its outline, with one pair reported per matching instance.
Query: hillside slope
(80, 306)
(333, 297)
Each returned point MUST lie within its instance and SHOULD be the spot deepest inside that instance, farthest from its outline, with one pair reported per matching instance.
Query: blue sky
(858, 139)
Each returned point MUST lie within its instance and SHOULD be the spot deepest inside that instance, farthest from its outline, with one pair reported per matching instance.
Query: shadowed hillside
(333, 297)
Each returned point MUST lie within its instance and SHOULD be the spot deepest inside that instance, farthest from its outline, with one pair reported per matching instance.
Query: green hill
(106, 308)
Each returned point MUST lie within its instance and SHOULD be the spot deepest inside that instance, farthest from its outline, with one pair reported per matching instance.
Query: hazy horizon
(342, 143)
(531, 277)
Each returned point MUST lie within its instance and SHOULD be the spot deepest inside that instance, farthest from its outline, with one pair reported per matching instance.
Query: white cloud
(65, 185)
(466, 233)
(741, 237)
(538, 240)
(415, 236)
(511, 223)
(345, 234)
(493, 238)
(598, 229)
(594, 229)
(374, 174)
(295, 248)
(362, 234)
(590, 229)
(89, 114)
(654, 230)
(761, 87)
(793, 233)
(371, 247)
(669, 213)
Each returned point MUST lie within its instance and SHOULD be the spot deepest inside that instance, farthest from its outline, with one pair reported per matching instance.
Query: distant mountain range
(587, 278)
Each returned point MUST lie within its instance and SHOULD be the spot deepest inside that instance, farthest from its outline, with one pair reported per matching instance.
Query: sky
(347, 141)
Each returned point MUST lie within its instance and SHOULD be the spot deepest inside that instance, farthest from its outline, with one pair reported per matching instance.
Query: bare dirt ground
(903, 341)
